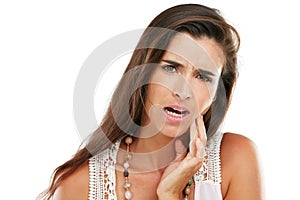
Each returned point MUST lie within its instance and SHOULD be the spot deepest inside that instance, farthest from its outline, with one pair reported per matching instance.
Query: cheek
(155, 92)
(156, 95)
(203, 98)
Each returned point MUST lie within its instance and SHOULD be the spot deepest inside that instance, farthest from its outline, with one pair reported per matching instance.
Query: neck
(150, 154)
(154, 143)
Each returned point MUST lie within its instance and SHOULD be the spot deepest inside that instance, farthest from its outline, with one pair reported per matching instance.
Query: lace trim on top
(211, 167)
(102, 169)
(102, 174)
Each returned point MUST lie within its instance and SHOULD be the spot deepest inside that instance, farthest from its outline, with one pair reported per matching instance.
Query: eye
(203, 77)
(169, 68)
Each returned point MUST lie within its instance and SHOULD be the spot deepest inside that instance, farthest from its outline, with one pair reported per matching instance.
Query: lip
(175, 113)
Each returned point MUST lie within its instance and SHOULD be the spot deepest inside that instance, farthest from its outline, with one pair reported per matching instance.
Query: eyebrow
(202, 71)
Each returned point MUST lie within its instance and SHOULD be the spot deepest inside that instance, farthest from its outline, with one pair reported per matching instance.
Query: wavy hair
(194, 19)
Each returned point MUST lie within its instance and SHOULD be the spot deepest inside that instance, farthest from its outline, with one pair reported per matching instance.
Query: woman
(161, 138)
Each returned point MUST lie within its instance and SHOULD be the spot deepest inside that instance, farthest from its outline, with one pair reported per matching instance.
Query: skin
(241, 178)
(238, 155)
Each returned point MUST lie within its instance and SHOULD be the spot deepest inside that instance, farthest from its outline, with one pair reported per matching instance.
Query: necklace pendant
(128, 195)
(126, 185)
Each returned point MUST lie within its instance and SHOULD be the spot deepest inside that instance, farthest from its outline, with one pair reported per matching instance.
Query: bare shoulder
(237, 145)
(76, 186)
(241, 173)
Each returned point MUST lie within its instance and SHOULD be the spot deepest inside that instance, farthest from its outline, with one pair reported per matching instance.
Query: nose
(182, 90)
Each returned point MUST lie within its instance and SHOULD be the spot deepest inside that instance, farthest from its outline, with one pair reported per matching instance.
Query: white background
(44, 44)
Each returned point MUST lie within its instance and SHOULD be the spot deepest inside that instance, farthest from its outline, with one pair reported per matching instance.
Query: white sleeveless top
(207, 179)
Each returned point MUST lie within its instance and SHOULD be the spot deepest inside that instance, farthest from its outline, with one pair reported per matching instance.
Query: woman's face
(183, 85)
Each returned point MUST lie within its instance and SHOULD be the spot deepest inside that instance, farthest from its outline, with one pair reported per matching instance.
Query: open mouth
(175, 113)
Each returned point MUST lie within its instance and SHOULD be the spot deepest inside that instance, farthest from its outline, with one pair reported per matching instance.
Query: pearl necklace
(127, 185)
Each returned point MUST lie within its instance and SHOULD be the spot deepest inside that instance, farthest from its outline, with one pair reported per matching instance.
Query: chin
(174, 132)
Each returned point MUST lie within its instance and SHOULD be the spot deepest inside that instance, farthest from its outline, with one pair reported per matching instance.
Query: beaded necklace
(126, 185)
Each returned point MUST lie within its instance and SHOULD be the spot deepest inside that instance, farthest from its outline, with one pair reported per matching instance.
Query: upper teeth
(174, 113)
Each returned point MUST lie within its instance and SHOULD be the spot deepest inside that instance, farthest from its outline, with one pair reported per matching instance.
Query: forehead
(200, 53)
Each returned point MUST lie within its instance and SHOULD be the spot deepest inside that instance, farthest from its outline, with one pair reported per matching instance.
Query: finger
(193, 135)
(180, 150)
(189, 166)
(200, 149)
(201, 132)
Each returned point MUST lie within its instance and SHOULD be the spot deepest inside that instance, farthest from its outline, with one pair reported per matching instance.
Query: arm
(240, 169)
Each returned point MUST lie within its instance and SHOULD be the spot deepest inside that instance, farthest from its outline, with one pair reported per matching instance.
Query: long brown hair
(196, 20)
